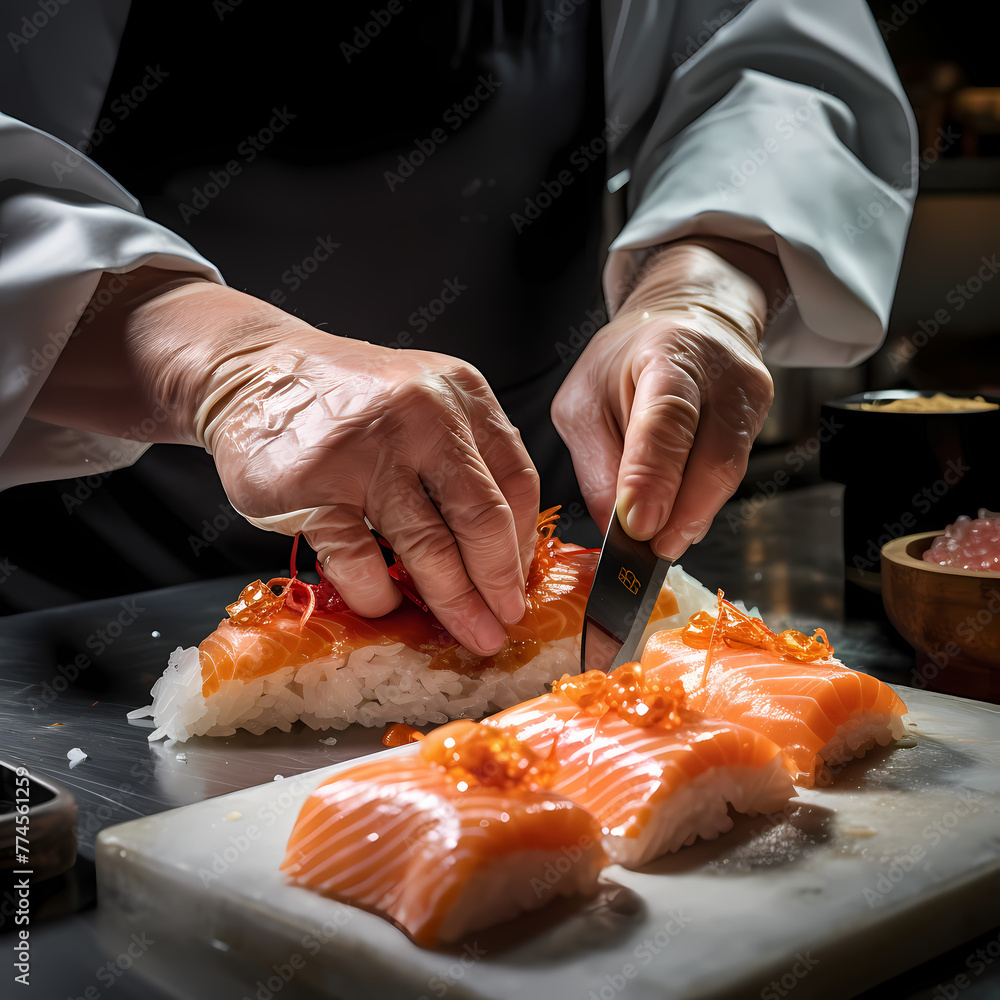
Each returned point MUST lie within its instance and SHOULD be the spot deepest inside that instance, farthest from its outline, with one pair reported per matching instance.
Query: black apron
(427, 179)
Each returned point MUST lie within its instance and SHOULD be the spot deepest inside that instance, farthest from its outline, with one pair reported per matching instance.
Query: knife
(626, 585)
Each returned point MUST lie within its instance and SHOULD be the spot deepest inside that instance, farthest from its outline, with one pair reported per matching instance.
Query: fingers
(660, 433)
(482, 525)
(478, 473)
(463, 559)
(514, 474)
(420, 446)
(729, 423)
(351, 559)
(687, 444)
(715, 467)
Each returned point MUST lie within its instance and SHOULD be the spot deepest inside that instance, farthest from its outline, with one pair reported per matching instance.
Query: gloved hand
(661, 408)
(315, 432)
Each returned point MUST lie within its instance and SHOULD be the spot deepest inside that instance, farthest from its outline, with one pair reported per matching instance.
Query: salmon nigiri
(303, 654)
(788, 687)
(656, 774)
(456, 835)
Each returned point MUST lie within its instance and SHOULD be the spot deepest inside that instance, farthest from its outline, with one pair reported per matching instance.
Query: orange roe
(732, 626)
(627, 692)
(558, 584)
(479, 756)
(399, 734)
(255, 605)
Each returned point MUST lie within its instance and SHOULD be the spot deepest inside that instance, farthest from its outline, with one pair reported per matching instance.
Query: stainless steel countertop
(69, 675)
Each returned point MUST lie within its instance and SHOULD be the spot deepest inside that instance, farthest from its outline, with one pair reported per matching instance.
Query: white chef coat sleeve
(778, 123)
(63, 223)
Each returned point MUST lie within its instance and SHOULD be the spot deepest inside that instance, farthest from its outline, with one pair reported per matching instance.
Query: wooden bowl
(951, 617)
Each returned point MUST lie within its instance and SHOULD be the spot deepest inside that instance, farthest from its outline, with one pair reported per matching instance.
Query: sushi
(447, 836)
(788, 687)
(302, 654)
(656, 774)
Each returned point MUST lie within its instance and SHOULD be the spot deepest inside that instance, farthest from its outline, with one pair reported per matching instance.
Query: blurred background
(949, 69)
(139, 528)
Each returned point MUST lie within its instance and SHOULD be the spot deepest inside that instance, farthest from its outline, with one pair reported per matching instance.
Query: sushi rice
(372, 686)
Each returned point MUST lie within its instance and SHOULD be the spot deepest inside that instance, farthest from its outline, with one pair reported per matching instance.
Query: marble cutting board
(895, 862)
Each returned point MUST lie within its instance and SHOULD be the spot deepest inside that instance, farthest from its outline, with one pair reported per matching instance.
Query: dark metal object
(626, 585)
(37, 823)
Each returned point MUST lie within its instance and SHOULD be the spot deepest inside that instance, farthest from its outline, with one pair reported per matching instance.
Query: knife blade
(626, 585)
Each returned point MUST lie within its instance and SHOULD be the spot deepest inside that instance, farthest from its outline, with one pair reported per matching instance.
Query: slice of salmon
(437, 852)
(267, 632)
(820, 713)
(653, 788)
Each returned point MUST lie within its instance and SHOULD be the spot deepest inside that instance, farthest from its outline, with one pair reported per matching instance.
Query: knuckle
(483, 523)
(522, 488)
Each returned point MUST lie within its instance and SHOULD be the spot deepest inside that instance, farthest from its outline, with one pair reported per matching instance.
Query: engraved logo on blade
(629, 579)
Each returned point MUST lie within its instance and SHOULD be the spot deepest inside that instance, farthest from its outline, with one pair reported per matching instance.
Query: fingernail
(642, 520)
(672, 547)
(512, 607)
(701, 535)
(488, 632)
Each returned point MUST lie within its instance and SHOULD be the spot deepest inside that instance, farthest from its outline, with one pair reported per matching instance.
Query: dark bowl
(905, 473)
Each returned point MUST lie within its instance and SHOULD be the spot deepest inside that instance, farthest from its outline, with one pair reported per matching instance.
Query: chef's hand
(663, 405)
(326, 431)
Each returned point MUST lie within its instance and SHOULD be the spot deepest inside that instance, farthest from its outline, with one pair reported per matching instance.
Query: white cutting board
(898, 861)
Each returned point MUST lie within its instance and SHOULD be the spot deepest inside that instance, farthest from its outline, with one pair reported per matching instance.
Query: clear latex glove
(413, 441)
(663, 405)
(316, 433)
